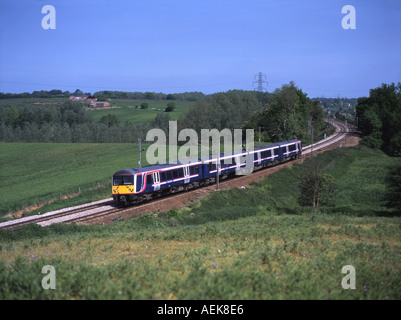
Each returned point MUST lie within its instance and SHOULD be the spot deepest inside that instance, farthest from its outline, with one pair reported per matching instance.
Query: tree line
(68, 122)
(221, 110)
(185, 96)
(55, 93)
(107, 94)
(282, 115)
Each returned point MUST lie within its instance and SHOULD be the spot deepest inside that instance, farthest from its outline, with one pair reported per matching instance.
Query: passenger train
(133, 186)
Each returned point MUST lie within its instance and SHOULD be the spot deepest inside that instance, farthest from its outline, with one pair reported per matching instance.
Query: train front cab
(123, 186)
(141, 184)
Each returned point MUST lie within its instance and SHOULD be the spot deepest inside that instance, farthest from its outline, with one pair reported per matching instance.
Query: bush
(144, 105)
(170, 107)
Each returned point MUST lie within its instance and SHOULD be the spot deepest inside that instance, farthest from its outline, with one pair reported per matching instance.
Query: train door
(259, 157)
(186, 174)
(285, 151)
(139, 182)
(156, 181)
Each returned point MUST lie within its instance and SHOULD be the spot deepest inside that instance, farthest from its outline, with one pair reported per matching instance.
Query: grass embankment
(253, 243)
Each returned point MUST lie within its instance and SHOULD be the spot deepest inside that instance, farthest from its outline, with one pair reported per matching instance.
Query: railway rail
(96, 212)
(62, 215)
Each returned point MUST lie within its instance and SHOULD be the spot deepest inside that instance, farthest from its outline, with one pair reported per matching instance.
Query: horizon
(88, 94)
(205, 46)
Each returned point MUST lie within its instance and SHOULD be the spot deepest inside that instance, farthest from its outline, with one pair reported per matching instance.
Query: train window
(227, 162)
(292, 147)
(212, 166)
(163, 176)
(169, 175)
(117, 180)
(194, 170)
(264, 154)
(276, 152)
(128, 179)
(178, 173)
(255, 156)
(121, 180)
(149, 179)
(269, 153)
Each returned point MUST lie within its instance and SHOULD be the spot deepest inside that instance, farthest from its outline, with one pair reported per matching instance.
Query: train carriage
(139, 184)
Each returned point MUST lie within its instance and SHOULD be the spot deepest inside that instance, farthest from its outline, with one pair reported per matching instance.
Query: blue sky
(175, 46)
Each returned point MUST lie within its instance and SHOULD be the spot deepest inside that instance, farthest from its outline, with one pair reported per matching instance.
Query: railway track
(339, 135)
(105, 210)
(62, 215)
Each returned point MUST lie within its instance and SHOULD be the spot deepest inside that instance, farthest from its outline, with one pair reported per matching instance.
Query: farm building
(76, 98)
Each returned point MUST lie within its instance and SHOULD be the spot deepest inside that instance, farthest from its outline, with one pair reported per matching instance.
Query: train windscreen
(122, 180)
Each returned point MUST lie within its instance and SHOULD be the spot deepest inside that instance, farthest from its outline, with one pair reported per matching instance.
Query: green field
(252, 243)
(128, 112)
(37, 172)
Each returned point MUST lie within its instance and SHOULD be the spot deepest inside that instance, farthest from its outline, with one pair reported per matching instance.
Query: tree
(317, 187)
(150, 95)
(380, 118)
(161, 121)
(285, 115)
(221, 110)
(170, 107)
(110, 120)
(78, 93)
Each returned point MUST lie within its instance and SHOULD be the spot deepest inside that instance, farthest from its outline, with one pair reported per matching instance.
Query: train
(135, 185)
